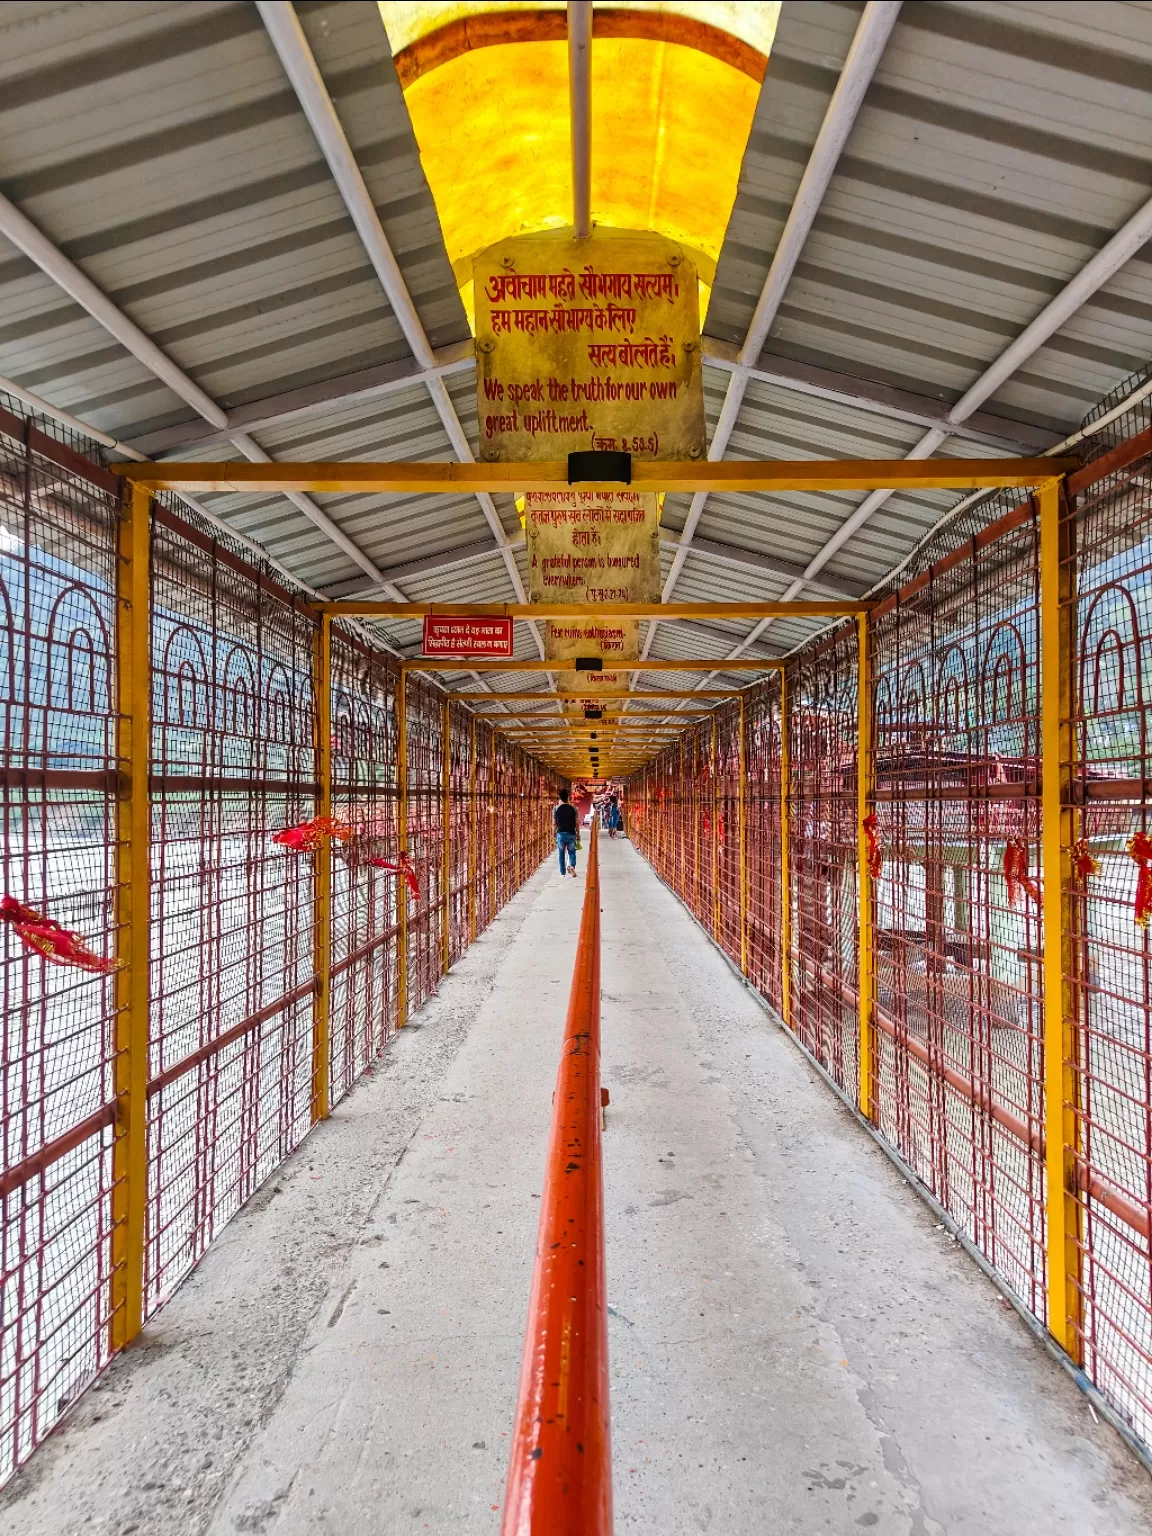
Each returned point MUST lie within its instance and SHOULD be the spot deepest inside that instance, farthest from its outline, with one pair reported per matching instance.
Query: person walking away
(566, 822)
(615, 818)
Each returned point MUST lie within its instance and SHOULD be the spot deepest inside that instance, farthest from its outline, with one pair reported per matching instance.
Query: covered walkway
(345, 1358)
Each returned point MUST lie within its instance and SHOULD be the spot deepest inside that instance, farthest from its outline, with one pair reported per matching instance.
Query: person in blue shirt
(615, 818)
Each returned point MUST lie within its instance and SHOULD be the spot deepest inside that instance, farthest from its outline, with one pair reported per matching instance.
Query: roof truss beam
(291, 45)
(525, 611)
(868, 43)
(876, 398)
(368, 385)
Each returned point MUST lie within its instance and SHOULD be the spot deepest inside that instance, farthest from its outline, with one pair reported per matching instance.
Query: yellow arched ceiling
(486, 87)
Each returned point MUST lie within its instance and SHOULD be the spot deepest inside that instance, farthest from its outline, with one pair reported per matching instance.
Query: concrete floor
(795, 1346)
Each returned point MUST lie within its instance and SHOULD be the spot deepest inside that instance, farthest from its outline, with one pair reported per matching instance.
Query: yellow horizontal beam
(741, 664)
(630, 738)
(598, 728)
(665, 612)
(577, 718)
(689, 476)
(600, 694)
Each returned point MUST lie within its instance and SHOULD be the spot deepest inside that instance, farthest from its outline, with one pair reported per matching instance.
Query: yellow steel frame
(322, 915)
(601, 694)
(532, 664)
(865, 768)
(133, 921)
(133, 812)
(689, 475)
(575, 718)
(363, 608)
(1057, 741)
(402, 847)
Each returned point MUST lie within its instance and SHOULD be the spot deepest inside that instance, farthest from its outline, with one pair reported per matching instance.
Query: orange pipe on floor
(560, 1470)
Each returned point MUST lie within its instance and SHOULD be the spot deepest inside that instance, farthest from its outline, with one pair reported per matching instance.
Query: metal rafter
(25, 235)
(295, 55)
(1089, 280)
(868, 44)
(368, 385)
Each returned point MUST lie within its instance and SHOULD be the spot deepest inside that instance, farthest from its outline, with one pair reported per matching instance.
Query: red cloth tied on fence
(1083, 864)
(871, 826)
(1140, 849)
(1016, 876)
(402, 866)
(57, 945)
(308, 836)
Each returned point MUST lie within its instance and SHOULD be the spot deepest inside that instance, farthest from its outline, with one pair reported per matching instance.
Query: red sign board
(446, 636)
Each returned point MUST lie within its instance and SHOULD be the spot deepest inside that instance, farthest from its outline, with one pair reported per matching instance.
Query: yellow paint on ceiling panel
(754, 24)
(669, 127)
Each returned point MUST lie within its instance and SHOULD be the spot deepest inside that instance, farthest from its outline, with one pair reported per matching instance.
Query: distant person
(615, 818)
(567, 823)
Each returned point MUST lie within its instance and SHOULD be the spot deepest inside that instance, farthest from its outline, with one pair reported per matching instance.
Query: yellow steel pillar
(402, 846)
(472, 813)
(322, 896)
(133, 920)
(785, 852)
(1057, 751)
(743, 833)
(714, 765)
(864, 772)
(445, 835)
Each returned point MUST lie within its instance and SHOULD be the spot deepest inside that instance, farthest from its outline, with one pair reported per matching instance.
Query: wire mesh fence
(58, 544)
(954, 1004)
(233, 1082)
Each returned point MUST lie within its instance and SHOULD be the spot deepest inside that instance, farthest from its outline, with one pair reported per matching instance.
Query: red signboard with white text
(446, 636)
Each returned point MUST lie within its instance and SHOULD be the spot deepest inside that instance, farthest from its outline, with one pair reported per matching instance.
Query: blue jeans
(566, 840)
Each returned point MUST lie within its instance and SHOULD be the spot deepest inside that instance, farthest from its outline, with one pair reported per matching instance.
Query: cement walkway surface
(795, 1346)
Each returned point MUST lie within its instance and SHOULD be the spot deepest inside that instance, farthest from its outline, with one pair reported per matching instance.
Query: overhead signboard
(446, 636)
(590, 547)
(588, 344)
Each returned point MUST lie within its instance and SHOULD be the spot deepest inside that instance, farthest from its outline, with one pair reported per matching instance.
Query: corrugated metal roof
(998, 148)
(163, 150)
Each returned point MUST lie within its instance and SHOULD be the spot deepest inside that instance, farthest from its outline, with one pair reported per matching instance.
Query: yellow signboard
(588, 344)
(592, 547)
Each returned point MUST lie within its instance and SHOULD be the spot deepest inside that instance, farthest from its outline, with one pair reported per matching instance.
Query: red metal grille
(1110, 557)
(825, 970)
(763, 841)
(58, 541)
(365, 900)
(232, 958)
(958, 951)
(462, 814)
(425, 837)
(726, 817)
